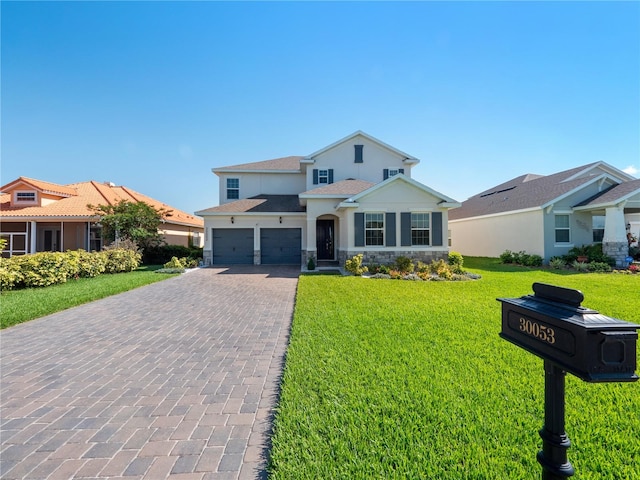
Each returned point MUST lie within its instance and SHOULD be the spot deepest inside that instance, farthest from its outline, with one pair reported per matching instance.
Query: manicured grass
(22, 305)
(393, 379)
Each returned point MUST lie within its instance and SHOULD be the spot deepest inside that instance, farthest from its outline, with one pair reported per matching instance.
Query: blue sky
(152, 95)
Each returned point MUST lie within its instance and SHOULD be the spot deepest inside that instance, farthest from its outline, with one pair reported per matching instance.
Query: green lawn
(396, 379)
(19, 306)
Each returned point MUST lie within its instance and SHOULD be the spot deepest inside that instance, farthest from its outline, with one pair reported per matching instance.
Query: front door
(324, 239)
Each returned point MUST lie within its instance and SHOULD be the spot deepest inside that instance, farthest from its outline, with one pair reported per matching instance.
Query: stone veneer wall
(386, 257)
(617, 250)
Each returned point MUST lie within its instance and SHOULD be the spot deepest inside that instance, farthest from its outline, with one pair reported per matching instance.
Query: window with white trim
(420, 229)
(562, 229)
(25, 197)
(394, 171)
(323, 176)
(233, 188)
(374, 229)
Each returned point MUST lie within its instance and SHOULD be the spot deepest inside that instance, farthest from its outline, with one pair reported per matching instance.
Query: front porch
(25, 237)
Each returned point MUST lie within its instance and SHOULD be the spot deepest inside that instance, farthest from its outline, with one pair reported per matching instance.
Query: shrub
(599, 267)
(354, 265)
(311, 264)
(532, 260)
(579, 266)
(161, 254)
(507, 257)
(10, 274)
(441, 269)
(556, 263)
(404, 264)
(456, 260)
(42, 269)
(521, 258)
(121, 260)
(175, 262)
(593, 253)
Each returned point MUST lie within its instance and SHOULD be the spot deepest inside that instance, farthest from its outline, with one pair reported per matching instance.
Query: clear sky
(152, 95)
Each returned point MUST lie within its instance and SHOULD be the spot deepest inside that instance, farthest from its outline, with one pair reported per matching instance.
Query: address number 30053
(541, 332)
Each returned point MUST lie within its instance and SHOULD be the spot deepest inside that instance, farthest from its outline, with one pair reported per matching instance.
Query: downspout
(61, 246)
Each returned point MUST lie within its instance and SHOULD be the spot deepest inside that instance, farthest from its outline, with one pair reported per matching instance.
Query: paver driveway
(173, 380)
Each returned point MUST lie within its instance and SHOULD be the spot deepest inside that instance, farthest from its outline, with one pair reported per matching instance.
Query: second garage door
(280, 246)
(232, 246)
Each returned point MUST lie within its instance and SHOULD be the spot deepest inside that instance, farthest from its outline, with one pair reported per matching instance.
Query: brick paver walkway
(173, 380)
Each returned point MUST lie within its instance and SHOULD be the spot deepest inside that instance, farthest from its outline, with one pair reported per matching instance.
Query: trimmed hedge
(49, 268)
(164, 253)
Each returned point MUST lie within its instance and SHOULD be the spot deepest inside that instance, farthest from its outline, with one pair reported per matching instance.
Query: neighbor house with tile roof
(547, 215)
(37, 216)
(353, 196)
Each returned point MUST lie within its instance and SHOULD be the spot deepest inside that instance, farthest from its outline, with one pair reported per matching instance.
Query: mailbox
(569, 338)
(552, 325)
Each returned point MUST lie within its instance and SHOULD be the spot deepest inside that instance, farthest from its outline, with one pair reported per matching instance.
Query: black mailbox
(552, 324)
(569, 338)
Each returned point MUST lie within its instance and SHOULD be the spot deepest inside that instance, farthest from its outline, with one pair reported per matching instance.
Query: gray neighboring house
(549, 214)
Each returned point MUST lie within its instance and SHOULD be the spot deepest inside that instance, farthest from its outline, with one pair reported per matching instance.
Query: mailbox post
(569, 338)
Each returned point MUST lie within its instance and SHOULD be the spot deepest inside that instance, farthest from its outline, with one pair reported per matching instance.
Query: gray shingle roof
(525, 191)
(343, 188)
(613, 194)
(276, 164)
(259, 204)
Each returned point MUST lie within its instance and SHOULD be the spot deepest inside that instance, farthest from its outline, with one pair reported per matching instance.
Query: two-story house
(353, 196)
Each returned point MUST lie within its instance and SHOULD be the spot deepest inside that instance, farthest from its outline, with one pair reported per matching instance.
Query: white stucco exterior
(331, 187)
(491, 235)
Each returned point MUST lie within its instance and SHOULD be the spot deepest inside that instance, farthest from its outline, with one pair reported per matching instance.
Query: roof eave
(241, 170)
(348, 205)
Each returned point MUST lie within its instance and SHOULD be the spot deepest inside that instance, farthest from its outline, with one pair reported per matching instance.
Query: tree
(137, 221)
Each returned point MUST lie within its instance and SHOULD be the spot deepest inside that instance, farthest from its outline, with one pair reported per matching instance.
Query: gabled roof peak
(406, 157)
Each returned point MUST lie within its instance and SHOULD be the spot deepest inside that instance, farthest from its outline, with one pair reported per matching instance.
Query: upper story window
(563, 230)
(420, 229)
(390, 172)
(25, 197)
(233, 188)
(322, 176)
(374, 229)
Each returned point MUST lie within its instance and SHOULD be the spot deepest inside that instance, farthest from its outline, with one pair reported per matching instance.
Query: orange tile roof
(78, 195)
(45, 187)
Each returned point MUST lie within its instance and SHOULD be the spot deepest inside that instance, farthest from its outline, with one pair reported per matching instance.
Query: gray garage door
(232, 246)
(280, 246)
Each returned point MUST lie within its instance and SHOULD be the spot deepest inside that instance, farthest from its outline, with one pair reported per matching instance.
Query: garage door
(232, 246)
(280, 246)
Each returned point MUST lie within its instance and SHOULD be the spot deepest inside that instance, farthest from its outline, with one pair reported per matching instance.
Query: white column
(614, 243)
(33, 237)
(614, 226)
